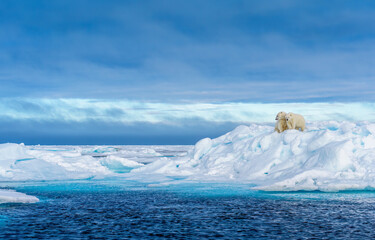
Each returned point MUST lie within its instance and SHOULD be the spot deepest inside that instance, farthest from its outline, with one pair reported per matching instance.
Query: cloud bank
(96, 121)
(129, 112)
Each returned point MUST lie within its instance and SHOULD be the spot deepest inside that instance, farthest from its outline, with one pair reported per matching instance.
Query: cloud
(177, 114)
(188, 51)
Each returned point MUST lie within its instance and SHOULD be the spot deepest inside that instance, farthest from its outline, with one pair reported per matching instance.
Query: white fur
(295, 121)
(281, 122)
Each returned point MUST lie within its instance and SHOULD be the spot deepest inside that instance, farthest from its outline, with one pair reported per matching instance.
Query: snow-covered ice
(329, 156)
(10, 196)
(21, 163)
(42, 163)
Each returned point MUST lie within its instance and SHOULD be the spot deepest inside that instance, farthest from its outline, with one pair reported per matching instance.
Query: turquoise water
(113, 209)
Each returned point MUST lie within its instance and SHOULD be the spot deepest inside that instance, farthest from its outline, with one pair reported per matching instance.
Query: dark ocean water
(84, 210)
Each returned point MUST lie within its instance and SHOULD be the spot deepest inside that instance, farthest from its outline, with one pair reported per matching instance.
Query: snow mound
(11, 196)
(329, 156)
(119, 164)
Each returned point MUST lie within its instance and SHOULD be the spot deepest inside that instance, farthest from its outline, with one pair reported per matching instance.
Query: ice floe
(39, 163)
(11, 196)
(328, 156)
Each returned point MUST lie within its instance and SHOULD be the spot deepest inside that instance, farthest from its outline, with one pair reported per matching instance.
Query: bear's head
(289, 116)
(280, 115)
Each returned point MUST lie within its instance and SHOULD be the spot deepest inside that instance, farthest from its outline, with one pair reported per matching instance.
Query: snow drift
(329, 156)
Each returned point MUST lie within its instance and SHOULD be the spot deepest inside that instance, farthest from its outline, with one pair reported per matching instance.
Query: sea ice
(21, 163)
(328, 156)
(11, 196)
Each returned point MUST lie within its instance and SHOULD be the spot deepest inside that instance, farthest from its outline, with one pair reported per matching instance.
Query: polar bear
(281, 122)
(295, 121)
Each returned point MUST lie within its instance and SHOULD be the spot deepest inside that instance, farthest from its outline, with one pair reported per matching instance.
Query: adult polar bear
(295, 121)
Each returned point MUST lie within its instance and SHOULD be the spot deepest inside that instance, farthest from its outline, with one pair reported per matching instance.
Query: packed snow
(328, 156)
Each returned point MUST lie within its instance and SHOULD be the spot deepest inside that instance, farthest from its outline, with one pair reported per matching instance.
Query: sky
(72, 72)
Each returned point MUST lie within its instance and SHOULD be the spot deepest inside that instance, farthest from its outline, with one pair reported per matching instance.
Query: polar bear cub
(281, 122)
(295, 121)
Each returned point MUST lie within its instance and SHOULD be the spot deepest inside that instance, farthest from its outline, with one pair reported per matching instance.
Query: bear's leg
(277, 127)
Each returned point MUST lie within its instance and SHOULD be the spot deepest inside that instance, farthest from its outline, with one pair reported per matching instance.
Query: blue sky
(176, 52)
